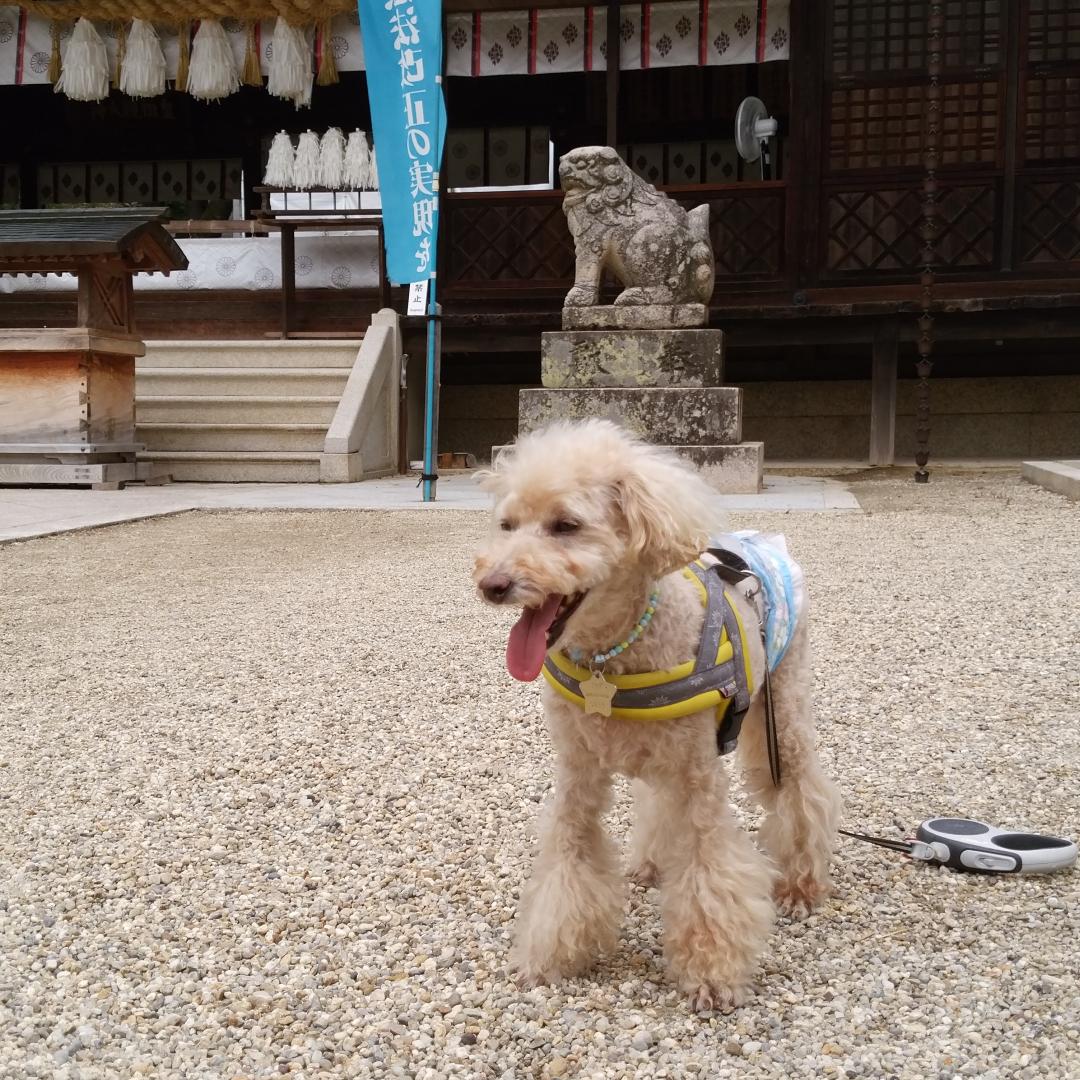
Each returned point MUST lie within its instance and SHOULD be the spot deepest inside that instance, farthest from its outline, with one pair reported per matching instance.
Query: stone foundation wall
(1013, 418)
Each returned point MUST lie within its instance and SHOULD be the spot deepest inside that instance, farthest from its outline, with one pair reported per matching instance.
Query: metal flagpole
(432, 379)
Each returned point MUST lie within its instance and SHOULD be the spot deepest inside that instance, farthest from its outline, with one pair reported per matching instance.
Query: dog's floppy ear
(668, 509)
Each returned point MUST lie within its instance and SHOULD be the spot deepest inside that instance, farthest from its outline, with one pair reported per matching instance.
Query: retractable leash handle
(964, 844)
(975, 847)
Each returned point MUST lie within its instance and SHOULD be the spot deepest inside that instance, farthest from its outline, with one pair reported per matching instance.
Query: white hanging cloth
(85, 75)
(212, 74)
(142, 72)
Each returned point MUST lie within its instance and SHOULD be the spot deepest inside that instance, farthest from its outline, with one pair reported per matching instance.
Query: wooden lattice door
(1009, 122)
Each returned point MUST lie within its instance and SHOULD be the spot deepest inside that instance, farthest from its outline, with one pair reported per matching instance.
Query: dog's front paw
(712, 997)
(645, 875)
(798, 899)
(530, 980)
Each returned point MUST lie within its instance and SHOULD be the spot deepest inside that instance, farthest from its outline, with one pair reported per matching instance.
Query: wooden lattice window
(880, 127)
(970, 115)
(972, 37)
(512, 241)
(881, 231)
(876, 126)
(878, 35)
(1053, 31)
(1050, 222)
(889, 36)
(747, 235)
(1052, 128)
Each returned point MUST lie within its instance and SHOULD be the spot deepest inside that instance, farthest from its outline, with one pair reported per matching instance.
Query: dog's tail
(702, 266)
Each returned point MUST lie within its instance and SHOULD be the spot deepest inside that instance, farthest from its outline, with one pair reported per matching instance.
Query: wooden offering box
(67, 394)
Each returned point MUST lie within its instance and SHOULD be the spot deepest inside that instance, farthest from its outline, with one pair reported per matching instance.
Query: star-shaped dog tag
(597, 692)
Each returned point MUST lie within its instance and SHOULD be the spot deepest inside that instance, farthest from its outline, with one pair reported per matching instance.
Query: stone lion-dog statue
(660, 252)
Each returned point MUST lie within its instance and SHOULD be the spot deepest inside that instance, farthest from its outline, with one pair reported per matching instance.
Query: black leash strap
(771, 740)
(892, 845)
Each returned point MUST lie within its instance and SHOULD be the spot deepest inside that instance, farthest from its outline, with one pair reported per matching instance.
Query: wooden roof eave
(146, 249)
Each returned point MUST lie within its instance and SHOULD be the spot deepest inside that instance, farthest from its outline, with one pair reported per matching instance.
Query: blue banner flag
(403, 52)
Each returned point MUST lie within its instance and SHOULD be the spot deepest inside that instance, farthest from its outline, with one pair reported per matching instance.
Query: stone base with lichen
(663, 385)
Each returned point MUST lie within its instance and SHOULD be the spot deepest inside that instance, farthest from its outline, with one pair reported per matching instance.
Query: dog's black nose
(496, 587)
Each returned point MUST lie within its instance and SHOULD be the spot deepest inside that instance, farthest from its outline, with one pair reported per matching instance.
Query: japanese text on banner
(403, 53)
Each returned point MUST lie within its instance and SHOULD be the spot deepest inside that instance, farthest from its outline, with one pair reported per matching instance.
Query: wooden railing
(498, 242)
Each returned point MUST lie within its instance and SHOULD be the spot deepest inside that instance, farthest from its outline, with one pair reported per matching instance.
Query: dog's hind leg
(799, 830)
(715, 887)
(570, 909)
(646, 837)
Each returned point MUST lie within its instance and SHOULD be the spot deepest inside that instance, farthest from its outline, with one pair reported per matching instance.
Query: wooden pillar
(886, 348)
(803, 150)
(288, 277)
(613, 42)
(104, 298)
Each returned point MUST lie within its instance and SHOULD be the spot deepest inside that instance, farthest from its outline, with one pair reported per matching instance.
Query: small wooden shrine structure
(67, 394)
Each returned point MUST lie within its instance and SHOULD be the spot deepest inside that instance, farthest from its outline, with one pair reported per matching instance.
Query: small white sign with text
(417, 298)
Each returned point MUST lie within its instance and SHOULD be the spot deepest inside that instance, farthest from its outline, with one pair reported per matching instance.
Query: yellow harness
(718, 677)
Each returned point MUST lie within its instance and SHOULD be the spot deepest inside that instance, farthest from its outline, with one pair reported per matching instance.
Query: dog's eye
(506, 526)
(564, 526)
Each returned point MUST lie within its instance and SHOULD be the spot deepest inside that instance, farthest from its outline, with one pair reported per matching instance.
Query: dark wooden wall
(1009, 117)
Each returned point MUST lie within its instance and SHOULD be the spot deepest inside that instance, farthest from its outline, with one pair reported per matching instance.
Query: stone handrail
(361, 442)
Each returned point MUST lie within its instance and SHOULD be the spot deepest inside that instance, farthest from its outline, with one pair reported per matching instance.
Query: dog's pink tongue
(527, 647)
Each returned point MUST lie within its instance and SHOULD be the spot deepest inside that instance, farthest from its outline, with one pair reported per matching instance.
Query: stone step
(215, 437)
(257, 353)
(735, 469)
(242, 382)
(237, 466)
(667, 416)
(632, 358)
(1060, 476)
(236, 409)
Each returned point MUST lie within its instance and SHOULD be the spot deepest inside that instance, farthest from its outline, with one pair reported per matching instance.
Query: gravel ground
(267, 797)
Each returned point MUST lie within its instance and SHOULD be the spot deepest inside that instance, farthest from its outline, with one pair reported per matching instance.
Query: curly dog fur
(585, 508)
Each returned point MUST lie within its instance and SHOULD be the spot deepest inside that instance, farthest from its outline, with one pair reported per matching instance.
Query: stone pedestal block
(667, 416)
(633, 358)
(634, 316)
(660, 382)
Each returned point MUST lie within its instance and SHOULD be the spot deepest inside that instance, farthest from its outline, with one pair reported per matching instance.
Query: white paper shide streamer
(332, 159)
(212, 74)
(85, 75)
(373, 178)
(357, 162)
(279, 162)
(142, 73)
(290, 64)
(306, 164)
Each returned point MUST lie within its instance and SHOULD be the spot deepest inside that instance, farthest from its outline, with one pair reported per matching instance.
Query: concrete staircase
(239, 410)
